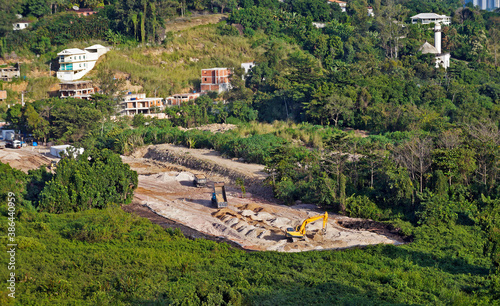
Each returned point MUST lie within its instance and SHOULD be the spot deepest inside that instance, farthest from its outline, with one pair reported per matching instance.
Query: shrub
(362, 207)
(225, 29)
(435, 209)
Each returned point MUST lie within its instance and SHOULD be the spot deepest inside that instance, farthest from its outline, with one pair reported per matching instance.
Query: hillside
(420, 181)
(172, 67)
(175, 67)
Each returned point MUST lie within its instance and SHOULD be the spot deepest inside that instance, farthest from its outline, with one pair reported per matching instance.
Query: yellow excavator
(300, 230)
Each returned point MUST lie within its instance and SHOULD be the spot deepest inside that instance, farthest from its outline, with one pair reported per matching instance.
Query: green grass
(176, 66)
(302, 133)
(110, 257)
(38, 87)
(173, 67)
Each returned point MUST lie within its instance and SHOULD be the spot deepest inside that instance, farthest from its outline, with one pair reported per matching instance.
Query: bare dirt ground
(254, 222)
(26, 158)
(209, 162)
(188, 232)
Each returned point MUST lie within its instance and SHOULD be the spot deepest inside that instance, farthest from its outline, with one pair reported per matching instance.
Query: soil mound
(376, 227)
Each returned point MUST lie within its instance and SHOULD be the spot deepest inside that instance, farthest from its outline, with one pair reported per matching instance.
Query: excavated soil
(253, 222)
(27, 158)
(208, 162)
(368, 225)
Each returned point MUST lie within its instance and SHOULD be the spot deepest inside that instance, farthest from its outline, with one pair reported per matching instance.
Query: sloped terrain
(254, 221)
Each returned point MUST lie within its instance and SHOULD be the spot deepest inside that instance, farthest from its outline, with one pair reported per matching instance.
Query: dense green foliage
(429, 163)
(61, 120)
(109, 257)
(94, 179)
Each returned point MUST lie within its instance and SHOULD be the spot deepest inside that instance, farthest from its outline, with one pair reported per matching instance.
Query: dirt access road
(254, 222)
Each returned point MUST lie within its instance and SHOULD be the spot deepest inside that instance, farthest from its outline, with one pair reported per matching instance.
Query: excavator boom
(300, 230)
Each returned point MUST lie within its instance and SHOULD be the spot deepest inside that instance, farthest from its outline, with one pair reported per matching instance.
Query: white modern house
(75, 63)
(427, 18)
(20, 25)
(247, 67)
(442, 59)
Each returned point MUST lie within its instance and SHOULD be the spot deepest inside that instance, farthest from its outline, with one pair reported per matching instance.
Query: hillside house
(133, 104)
(178, 99)
(8, 73)
(21, 25)
(75, 63)
(247, 67)
(485, 4)
(83, 11)
(77, 90)
(215, 79)
(369, 9)
(428, 18)
(442, 59)
(342, 4)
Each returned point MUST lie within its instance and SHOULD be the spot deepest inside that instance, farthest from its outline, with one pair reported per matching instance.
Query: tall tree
(415, 155)
(392, 29)
(153, 13)
(494, 41)
(143, 21)
(108, 84)
(36, 123)
(133, 17)
(337, 107)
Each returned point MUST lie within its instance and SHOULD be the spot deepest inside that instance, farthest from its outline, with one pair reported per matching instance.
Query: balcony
(73, 60)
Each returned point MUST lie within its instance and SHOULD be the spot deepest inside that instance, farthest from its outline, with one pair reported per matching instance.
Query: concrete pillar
(437, 37)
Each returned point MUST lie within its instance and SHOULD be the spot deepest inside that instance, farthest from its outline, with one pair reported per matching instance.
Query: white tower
(437, 37)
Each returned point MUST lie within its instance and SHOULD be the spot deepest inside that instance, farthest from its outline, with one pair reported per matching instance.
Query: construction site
(196, 191)
(252, 220)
